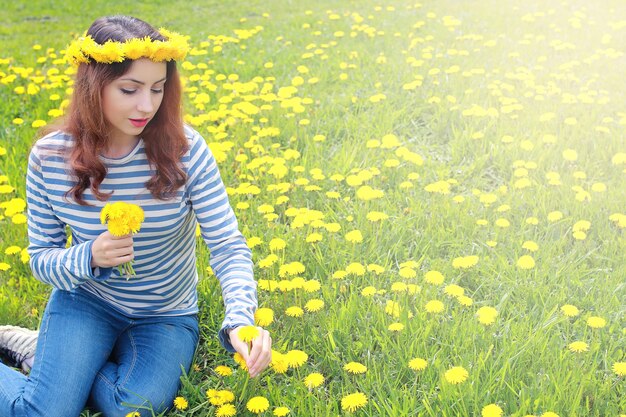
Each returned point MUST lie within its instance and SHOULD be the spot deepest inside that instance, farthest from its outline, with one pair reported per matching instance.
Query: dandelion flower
(549, 414)
(396, 327)
(277, 244)
(133, 414)
(355, 368)
(180, 403)
(248, 333)
(434, 277)
(530, 246)
(281, 411)
(257, 405)
(465, 301)
(569, 310)
(294, 311)
(596, 322)
(578, 347)
(526, 262)
(418, 364)
(296, 358)
(314, 305)
(465, 262)
(239, 360)
(223, 370)
(314, 380)
(453, 290)
(220, 397)
(434, 306)
(352, 402)
(279, 362)
(456, 375)
(368, 291)
(354, 236)
(491, 410)
(619, 368)
(264, 316)
(487, 315)
(226, 410)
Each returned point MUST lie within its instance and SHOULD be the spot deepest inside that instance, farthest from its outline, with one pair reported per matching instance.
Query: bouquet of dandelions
(122, 219)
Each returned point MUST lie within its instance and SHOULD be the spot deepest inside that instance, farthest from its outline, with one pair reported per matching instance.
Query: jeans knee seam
(134, 360)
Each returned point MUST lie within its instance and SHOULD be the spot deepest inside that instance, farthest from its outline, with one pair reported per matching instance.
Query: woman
(119, 343)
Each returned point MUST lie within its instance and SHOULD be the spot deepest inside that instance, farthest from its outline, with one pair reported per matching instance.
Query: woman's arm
(51, 262)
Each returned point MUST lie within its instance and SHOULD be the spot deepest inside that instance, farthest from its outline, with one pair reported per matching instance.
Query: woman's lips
(139, 122)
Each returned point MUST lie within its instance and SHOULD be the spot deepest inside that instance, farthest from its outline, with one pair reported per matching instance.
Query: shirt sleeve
(231, 259)
(50, 261)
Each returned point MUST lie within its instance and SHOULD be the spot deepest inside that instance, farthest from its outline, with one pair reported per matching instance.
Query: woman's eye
(157, 90)
(125, 91)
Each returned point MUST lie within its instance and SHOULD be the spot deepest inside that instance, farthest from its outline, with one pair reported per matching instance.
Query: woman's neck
(119, 148)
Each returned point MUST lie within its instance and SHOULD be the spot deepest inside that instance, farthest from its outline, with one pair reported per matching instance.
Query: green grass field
(434, 180)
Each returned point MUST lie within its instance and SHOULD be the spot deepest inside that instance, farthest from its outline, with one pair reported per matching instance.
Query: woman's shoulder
(195, 140)
(53, 144)
(56, 140)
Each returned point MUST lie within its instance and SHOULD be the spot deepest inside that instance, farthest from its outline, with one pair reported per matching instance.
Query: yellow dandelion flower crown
(85, 49)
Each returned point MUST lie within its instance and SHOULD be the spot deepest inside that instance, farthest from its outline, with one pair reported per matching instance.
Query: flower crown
(85, 49)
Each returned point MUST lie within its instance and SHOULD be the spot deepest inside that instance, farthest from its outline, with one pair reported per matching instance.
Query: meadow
(433, 192)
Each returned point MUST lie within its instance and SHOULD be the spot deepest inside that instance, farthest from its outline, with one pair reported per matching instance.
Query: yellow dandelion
(491, 410)
(549, 414)
(418, 364)
(456, 375)
(133, 414)
(368, 291)
(619, 368)
(396, 327)
(281, 411)
(279, 362)
(294, 311)
(353, 402)
(180, 403)
(296, 358)
(465, 301)
(526, 262)
(223, 370)
(465, 262)
(355, 368)
(12, 250)
(226, 410)
(596, 322)
(239, 360)
(453, 290)
(314, 305)
(277, 244)
(354, 236)
(264, 316)
(487, 315)
(578, 347)
(257, 405)
(434, 277)
(569, 310)
(434, 306)
(314, 380)
(248, 333)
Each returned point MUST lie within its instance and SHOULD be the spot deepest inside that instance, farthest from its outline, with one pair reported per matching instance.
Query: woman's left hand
(257, 354)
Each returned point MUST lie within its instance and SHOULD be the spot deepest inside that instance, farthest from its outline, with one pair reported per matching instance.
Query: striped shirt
(164, 248)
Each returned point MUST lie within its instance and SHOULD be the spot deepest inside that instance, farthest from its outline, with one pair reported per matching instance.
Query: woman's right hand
(108, 251)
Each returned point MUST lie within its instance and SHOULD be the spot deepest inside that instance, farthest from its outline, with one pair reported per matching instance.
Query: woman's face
(132, 100)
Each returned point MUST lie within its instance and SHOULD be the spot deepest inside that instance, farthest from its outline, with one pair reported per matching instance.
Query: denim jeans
(90, 354)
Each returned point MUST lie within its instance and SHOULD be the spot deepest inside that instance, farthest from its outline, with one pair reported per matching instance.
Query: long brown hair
(164, 137)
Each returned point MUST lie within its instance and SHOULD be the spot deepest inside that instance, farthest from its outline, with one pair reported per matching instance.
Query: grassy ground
(387, 142)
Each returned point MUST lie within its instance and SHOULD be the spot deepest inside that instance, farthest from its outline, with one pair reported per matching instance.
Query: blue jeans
(88, 353)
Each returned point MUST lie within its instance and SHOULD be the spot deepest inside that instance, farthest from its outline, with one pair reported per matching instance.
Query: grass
(516, 112)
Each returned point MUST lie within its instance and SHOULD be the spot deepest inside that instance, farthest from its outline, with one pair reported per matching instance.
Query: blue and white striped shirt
(164, 248)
